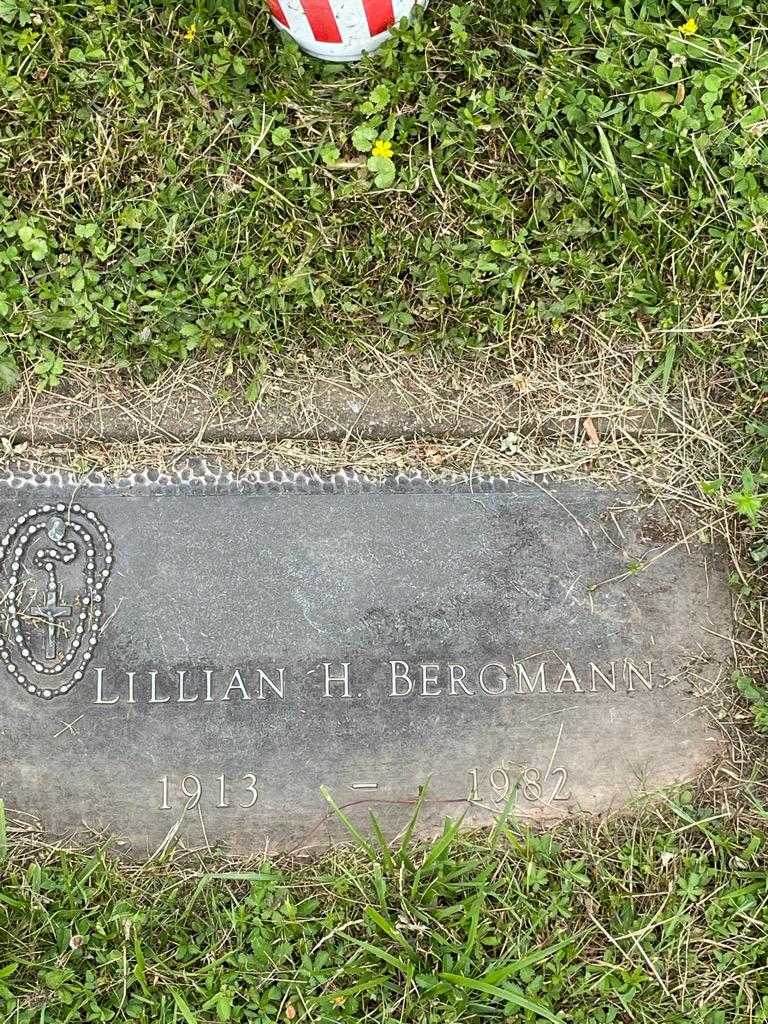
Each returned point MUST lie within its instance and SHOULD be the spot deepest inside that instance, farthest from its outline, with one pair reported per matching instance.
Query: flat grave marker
(197, 655)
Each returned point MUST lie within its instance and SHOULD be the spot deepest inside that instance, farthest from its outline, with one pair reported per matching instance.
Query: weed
(659, 919)
(180, 180)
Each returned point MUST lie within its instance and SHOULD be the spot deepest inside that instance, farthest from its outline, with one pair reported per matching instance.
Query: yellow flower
(191, 32)
(690, 27)
(338, 1000)
(383, 147)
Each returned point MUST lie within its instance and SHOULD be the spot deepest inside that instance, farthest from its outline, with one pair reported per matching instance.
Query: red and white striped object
(339, 29)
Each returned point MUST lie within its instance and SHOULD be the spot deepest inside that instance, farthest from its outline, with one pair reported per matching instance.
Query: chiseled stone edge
(197, 476)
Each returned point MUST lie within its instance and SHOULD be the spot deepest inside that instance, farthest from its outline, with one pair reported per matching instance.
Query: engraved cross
(51, 611)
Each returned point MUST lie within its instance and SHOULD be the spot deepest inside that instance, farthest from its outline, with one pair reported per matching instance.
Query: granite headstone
(192, 655)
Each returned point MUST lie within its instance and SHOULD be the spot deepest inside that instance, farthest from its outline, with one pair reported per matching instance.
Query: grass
(576, 203)
(555, 165)
(661, 918)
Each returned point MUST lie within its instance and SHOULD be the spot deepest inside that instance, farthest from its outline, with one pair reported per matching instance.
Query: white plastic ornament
(339, 30)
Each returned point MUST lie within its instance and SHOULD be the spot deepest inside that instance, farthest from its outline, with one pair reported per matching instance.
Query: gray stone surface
(239, 598)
